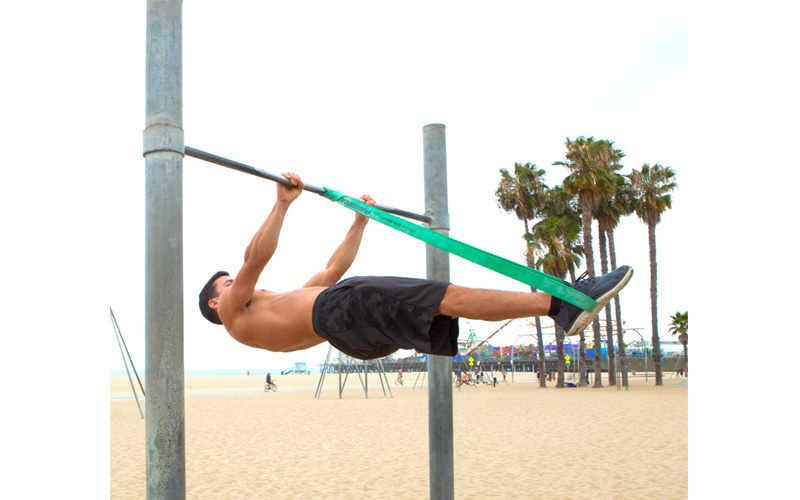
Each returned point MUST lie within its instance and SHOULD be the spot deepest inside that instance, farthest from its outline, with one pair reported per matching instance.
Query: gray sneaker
(602, 289)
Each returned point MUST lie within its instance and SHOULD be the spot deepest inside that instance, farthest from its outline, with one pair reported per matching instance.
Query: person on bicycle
(269, 379)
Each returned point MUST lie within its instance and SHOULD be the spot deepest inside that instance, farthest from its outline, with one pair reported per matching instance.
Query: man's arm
(261, 248)
(345, 254)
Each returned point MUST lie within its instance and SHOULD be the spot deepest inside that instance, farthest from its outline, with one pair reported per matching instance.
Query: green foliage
(680, 323)
(521, 193)
(590, 162)
(650, 191)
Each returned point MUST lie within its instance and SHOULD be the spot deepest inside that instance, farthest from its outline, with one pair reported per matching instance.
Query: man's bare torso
(273, 321)
(279, 321)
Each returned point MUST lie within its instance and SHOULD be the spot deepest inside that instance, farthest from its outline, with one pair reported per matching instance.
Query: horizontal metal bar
(241, 167)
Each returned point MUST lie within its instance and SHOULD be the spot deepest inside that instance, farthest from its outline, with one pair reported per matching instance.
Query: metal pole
(163, 153)
(118, 334)
(440, 389)
(366, 381)
(644, 346)
(247, 169)
(388, 386)
(324, 372)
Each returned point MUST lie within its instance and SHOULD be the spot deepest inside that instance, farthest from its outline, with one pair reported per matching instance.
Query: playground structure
(348, 365)
(637, 352)
(126, 356)
(484, 349)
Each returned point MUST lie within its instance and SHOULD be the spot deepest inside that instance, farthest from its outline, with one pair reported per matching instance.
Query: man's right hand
(288, 194)
(369, 201)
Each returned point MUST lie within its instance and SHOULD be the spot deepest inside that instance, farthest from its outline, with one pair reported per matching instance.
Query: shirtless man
(370, 317)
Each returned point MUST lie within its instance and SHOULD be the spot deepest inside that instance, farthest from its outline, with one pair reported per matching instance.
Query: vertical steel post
(163, 153)
(440, 386)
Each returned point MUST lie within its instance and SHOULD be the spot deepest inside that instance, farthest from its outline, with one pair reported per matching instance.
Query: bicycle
(270, 387)
(460, 381)
(399, 381)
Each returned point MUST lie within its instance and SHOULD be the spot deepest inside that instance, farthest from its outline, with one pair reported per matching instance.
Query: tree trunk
(539, 339)
(588, 254)
(612, 371)
(598, 354)
(651, 230)
(612, 252)
(684, 339)
(583, 366)
(560, 351)
(542, 372)
(583, 381)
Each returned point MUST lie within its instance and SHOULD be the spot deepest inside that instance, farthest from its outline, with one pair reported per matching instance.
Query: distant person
(494, 377)
(369, 317)
(269, 378)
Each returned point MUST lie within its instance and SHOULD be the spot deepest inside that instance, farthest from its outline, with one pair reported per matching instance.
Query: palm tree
(522, 194)
(608, 213)
(651, 187)
(589, 160)
(680, 325)
(557, 250)
(621, 202)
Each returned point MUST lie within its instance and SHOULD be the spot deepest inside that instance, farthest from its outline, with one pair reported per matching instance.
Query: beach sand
(514, 441)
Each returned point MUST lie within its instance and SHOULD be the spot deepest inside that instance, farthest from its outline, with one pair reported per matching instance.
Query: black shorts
(371, 317)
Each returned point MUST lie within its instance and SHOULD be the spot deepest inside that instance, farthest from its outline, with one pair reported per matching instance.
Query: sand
(511, 441)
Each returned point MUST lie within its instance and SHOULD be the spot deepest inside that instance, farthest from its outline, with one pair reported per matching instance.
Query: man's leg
(492, 305)
(495, 305)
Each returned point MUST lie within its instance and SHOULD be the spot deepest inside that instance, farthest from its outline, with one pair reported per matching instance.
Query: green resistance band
(536, 279)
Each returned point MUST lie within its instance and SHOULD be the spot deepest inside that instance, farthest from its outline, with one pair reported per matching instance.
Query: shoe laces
(583, 280)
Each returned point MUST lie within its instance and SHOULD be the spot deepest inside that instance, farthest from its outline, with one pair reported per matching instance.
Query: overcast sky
(340, 93)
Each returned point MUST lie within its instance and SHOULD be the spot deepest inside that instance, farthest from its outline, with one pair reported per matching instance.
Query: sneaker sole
(586, 317)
